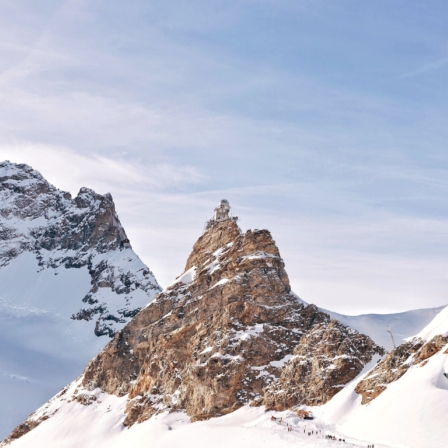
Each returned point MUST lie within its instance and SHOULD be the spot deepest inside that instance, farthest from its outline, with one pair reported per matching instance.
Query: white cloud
(69, 170)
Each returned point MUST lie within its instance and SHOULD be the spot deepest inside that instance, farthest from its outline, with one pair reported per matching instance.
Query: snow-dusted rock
(325, 360)
(396, 364)
(64, 233)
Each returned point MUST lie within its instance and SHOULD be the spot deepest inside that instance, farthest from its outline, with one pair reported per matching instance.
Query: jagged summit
(65, 233)
(26, 195)
(68, 274)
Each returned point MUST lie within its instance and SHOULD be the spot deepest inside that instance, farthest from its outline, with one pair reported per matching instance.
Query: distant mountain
(402, 325)
(68, 275)
(403, 400)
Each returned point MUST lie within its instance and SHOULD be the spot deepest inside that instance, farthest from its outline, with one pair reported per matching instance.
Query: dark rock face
(61, 232)
(227, 330)
(396, 364)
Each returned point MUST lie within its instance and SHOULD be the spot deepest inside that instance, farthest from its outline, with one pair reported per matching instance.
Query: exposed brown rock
(213, 345)
(24, 428)
(325, 359)
(431, 348)
(390, 369)
(396, 364)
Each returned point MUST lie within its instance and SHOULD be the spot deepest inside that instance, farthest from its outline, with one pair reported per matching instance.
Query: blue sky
(324, 121)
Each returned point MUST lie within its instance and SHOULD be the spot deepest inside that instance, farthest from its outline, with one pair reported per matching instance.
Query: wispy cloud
(171, 107)
(426, 68)
(69, 170)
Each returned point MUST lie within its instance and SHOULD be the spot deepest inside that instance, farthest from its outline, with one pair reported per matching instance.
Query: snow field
(411, 412)
(100, 425)
(403, 325)
(39, 340)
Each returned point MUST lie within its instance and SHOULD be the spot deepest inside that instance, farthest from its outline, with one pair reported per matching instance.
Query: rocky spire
(223, 332)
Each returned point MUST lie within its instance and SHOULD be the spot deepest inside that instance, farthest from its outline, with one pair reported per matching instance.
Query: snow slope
(412, 411)
(99, 425)
(439, 325)
(403, 325)
(43, 349)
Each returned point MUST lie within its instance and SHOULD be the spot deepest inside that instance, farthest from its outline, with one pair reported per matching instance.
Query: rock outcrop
(325, 360)
(223, 332)
(396, 364)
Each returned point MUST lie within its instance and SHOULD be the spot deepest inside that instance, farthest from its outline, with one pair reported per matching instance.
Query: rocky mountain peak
(51, 218)
(80, 233)
(224, 334)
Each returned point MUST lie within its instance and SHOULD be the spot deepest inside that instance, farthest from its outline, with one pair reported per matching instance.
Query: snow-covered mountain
(410, 412)
(69, 280)
(402, 325)
(403, 400)
(227, 333)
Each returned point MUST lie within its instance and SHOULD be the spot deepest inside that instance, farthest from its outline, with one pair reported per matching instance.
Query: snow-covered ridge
(403, 325)
(438, 326)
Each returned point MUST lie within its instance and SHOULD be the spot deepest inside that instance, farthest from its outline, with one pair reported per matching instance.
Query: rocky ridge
(397, 363)
(62, 232)
(227, 333)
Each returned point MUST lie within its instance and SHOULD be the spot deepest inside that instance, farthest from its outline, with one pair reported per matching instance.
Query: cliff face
(327, 357)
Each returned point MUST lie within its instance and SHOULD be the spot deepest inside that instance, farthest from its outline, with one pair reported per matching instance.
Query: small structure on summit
(222, 213)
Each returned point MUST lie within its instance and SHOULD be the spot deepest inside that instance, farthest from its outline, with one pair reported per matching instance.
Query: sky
(324, 122)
